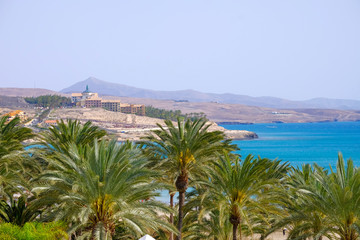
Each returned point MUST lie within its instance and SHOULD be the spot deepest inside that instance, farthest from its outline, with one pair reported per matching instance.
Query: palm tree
(12, 159)
(12, 134)
(203, 220)
(18, 211)
(96, 188)
(182, 151)
(339, 199)
(166, 179)
(320, 204)
(60, 137)
(301, 217)
(242, 189)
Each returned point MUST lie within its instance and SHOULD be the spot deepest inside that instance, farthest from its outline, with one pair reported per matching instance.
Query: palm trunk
(92, 237)
(102, 232)
(171, 214)
(234, 231)
(235, 221)
(240, 231)
(181, 184)
(181, 213)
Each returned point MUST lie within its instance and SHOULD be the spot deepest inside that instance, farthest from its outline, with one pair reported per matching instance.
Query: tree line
(51, 101)
(77, 183)
(172, 115)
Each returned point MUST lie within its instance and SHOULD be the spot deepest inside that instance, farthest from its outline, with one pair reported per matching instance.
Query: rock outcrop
(240, 134)
(131, 127)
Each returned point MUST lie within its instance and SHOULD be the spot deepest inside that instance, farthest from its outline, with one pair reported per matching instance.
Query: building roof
(87, 89)
(14, 113)
(76, 94)
(124, 105)
(131, 105)
(50, 121)
(111, 101)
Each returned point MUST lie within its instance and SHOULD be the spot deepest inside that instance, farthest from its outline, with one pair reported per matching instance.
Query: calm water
(300, 143)
(303, 142)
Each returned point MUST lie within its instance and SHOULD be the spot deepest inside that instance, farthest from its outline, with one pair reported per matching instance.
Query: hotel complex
(92, 100)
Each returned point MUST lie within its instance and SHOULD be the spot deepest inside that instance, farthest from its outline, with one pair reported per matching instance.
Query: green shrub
(151, 111)
(5, 236)
(33, 231)
(50, 101)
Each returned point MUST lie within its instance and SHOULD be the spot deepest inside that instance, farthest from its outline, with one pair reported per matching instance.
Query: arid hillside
(129, 126)
(28, 92)
(219, 112)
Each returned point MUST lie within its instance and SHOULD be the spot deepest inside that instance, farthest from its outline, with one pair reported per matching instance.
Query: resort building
(16, 113)
(92, 100)
(133, 109)
(76, 97)
(79, 99)
(111, 105)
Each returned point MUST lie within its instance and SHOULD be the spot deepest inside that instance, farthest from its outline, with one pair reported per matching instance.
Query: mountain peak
(93, 79)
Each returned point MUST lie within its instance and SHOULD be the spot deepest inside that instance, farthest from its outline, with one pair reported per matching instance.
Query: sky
(293, 49)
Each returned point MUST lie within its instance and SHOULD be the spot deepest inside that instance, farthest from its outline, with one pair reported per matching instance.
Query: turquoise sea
(300, 143)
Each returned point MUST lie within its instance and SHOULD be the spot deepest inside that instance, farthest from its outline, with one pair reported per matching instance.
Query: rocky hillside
(128, 126)
(6, 101)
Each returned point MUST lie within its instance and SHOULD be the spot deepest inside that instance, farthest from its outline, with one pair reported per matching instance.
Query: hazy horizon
(296, 50)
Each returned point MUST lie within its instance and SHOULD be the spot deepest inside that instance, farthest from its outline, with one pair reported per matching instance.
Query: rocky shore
(131, 127)
(135, 134)
(240, 134)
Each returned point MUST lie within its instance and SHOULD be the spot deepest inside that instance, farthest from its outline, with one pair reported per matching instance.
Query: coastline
(132, 127)
(135, 134)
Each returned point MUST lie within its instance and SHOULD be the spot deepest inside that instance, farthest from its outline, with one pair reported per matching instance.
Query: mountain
(120, 90)
(334, 103)
(26, 92)
(6, 101)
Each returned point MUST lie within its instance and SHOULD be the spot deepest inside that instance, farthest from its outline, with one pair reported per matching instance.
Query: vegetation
(183, 152)
(33, 231)
(323, 204)
(50, 101)
(61, 136)
(103, 185)
(18, 211)
(44, 114)
(76, 183)
(151, 111)
(13, 161)
(240, 190)
(12, 134)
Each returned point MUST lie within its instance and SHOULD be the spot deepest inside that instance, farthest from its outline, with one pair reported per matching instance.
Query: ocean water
(300, 143)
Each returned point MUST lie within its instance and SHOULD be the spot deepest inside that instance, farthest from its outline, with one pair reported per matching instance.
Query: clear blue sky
(294, 49)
